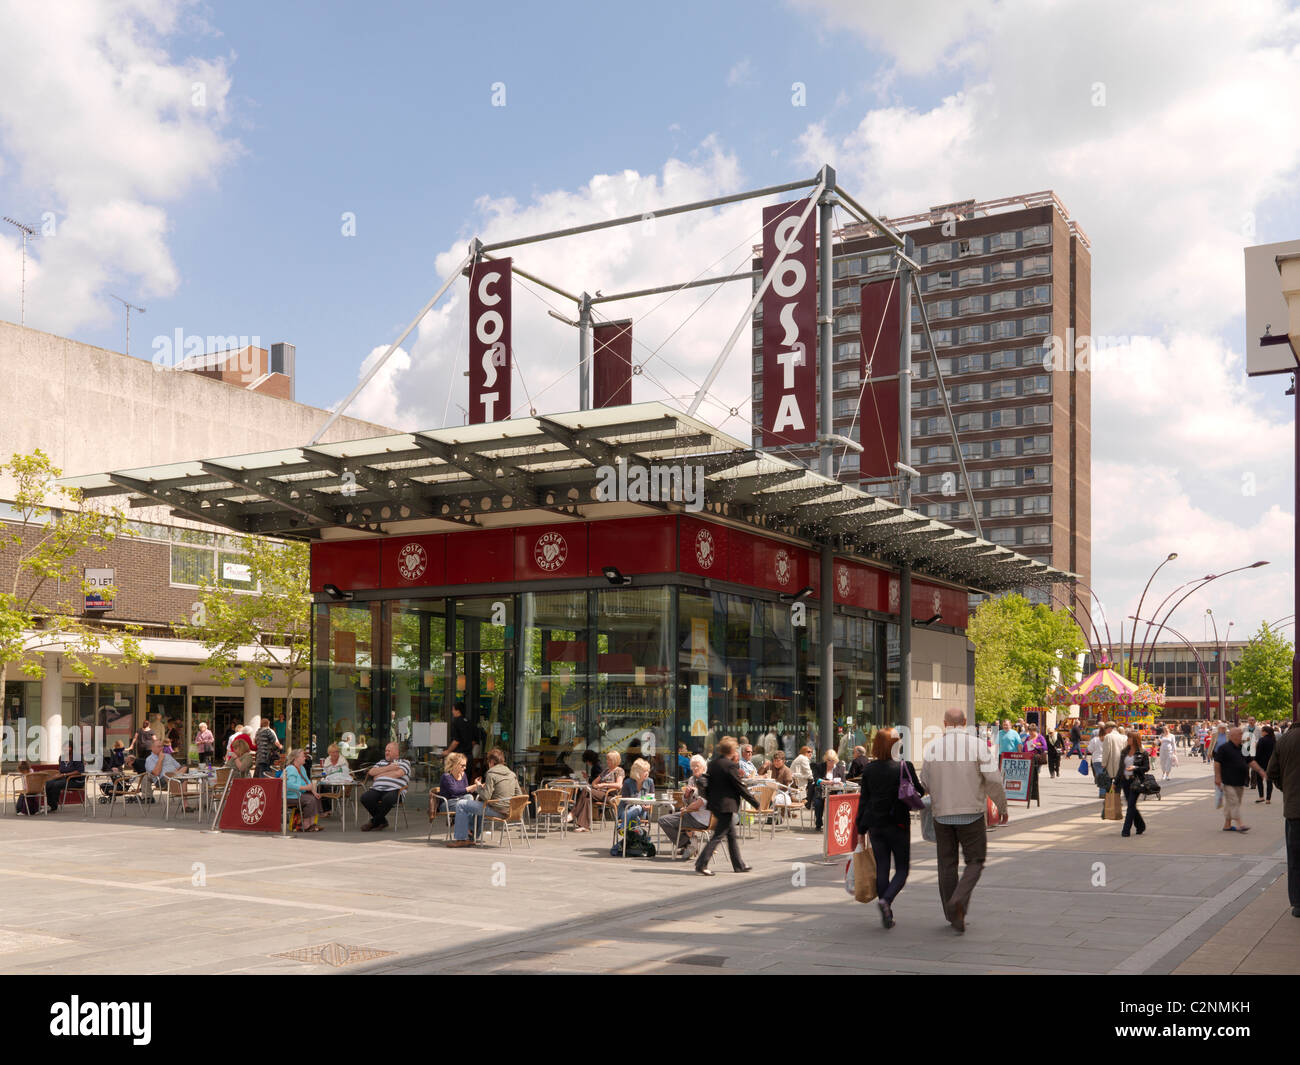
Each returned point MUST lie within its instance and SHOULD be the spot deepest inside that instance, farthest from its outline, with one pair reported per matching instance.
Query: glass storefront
(548, 675)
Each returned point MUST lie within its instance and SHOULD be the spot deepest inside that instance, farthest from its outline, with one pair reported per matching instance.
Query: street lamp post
(1200, 663)
(1133, 636)
(1199, 585)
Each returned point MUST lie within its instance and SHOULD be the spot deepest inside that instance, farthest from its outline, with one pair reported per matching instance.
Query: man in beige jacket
(960, 773)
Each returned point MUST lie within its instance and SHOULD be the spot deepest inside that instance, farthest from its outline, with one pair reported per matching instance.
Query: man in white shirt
(960, 773)
(747, 767)
(1094, 755)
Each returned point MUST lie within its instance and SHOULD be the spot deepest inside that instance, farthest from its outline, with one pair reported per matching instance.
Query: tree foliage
(275, 621)
(1261, 681)
(1018, 645)
(44, 553)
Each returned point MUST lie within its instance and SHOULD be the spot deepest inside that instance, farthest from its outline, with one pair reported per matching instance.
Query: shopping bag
(864, 873)
(1083, 768)
(990, 813)
(1218, 797)
(927, 820)
(1113, 806)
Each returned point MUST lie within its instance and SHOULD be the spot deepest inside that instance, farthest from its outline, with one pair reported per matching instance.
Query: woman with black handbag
(1136, 764)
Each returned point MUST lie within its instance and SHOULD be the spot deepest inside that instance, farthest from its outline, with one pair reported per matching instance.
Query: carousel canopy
(1106, 687)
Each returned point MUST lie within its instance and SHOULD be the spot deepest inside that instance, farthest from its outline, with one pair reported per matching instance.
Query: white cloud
(1195, 136)
(100, 127)
(655, 252)
(741, 73)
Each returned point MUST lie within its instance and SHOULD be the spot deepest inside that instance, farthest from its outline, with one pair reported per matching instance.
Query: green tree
(1017, 647)
(43, 552)
(275, 620)
(1261, 681)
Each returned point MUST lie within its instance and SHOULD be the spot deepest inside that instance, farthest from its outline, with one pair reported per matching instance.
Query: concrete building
(1001, 280)
(88, 409)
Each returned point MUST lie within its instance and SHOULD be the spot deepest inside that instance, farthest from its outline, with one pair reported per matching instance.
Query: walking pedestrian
(1136, 764)
(885, 819)
(1264, 749)
(1284, 773)
(267, 744)
(1076, 739)
(1166, 754)
(1094, 756)
(725, 792)
(1231, 769)
(961, 777)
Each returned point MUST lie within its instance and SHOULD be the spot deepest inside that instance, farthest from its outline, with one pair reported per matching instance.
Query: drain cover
(713, 961)
(336, 954)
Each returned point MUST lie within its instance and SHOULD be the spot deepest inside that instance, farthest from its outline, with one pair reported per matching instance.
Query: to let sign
(489, 341)
(790, 328)
(99, 588)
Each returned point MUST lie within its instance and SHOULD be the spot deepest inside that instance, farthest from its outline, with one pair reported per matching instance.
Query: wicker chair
(550, 803)
(514, 816)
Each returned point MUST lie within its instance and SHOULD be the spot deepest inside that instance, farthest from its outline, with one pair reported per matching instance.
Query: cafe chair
(181, 791)
(507, 818)
(551, 803)
(440, 806)
(768, 812)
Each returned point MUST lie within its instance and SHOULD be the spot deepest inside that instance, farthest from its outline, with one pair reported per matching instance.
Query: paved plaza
(1062, 893)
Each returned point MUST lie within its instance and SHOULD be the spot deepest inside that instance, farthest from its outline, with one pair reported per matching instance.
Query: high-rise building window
(1036, 534)
(971, 275)
(1035, 235)
(1036, 295)
(1041, 323)
(971, 305)
(1003, 271)
(848, 349)
(1037, 504)
(848, 295)
(849, 267)
(940, 280)
(1001, 301)
(970, 246)
(879, 263)
(1004, 330)
(1035, 264)
(847, 323)
(971, 334)
(1000, 536)
(1002, 241)
(1001, 508)
(1001, 360)
(941, 309)
(938, 253)
(847, 378)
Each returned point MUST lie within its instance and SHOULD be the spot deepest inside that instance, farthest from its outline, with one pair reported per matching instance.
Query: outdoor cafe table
(92, 792)
(200, 781)
(652, 801)
(346, 788)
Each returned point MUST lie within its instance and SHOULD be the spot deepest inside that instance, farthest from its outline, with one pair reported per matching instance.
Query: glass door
(484, 673)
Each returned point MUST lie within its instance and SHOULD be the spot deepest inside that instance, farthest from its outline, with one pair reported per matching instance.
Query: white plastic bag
(927, 820)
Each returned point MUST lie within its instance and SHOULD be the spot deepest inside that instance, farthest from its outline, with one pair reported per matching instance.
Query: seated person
(387, 779)
(859, 764)
(747, 767)
(829, 771)
(453, 786)
(240, 756)
(694, 814)
(334, 771)
(116, 758)
(70, 774)
(607, 783)
(301, 790)
(637, 784)
(496, 789)
(778, 771)
(159, 767)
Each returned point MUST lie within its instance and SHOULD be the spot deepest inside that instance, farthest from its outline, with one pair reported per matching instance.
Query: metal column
(905, 488)
(825, 356)
(584, 353)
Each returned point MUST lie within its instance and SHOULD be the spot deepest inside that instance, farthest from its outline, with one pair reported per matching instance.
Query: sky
(312, 172)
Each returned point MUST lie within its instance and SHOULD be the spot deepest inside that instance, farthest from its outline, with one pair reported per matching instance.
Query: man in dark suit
(725, 794)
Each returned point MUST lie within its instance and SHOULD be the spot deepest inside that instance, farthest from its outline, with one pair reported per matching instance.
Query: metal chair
(180, 790)
(440, 806)
(513, 816)
(550, 803)
(767, 812)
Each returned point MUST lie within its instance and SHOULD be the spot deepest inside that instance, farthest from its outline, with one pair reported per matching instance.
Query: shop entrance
(222, 713)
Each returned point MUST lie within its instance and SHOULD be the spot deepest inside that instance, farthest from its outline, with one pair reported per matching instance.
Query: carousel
(1106, 694)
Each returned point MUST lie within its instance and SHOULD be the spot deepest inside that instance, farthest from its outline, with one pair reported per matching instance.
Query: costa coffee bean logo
(412, 561)
(705, 549)
(843, 582)
(842, 824)
(784, 567)
(254, 805)
(550, 552)
(895, 595)
(937, 602)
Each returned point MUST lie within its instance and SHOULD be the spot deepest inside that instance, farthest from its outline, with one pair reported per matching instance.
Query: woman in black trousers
(885, 820)
(1263, 753)
(1135, 765)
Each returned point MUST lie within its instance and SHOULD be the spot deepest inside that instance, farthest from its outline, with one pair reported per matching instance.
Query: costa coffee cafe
(494, 566)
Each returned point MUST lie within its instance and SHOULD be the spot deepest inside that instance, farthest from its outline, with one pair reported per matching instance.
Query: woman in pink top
(206, 743)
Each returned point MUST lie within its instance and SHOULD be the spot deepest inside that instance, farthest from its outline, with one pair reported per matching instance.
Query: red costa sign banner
(489, 341)
(841, 817)
(790, 329)
(881, 307)
(253, 805)
(611, 363)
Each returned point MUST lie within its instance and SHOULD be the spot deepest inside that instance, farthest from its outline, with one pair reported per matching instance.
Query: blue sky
(1172, 141)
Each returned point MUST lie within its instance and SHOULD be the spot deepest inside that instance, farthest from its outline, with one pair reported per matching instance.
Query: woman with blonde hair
(608, 783)
(637, 785)
(453, 786)
(301, 790)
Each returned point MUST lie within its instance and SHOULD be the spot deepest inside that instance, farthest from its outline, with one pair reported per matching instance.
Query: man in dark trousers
(1283, 770)
(725, 793)
(462, 734)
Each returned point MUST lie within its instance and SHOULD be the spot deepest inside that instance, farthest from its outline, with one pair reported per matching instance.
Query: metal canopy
(522, 471)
